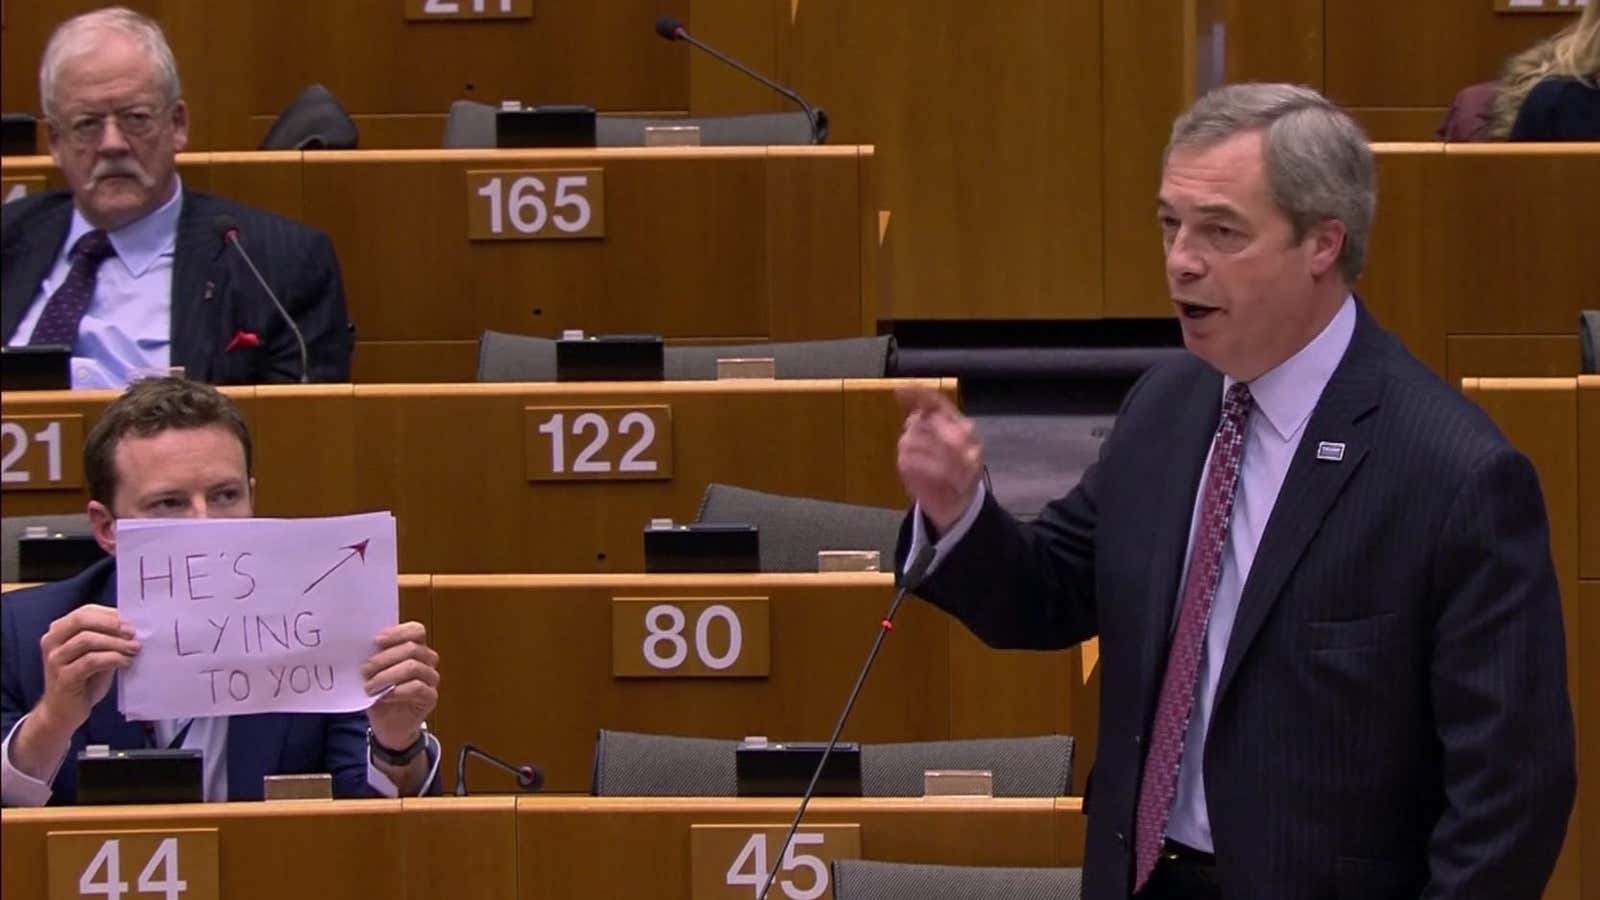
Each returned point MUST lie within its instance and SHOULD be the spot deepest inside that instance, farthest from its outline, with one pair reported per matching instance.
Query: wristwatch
(397, 758)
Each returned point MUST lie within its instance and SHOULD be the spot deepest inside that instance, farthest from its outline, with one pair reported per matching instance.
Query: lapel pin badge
(1330, 451)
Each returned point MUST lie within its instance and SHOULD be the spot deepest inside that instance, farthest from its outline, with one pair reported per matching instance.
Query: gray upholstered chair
(863, 879)
(516, 357)
(627, 764)
(315, 120)
(1589, 341)
(793, 529)
(471, 125)
(1022, 767)
(13, 527)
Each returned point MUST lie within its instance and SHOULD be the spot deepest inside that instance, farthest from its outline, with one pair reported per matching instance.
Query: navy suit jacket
(258, 745)
(1392, 718)
(214, 296)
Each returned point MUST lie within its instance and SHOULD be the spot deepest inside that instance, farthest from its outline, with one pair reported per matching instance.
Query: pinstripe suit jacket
(1392, 718)
(214, 296)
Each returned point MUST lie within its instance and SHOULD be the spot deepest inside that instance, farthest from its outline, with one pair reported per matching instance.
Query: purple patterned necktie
(1160, 781)
(58, 324)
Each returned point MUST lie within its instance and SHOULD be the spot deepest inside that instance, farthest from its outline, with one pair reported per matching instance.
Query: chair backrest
(469, 126)
(13, 527)
(793, 529)
(863, 879)
(1589, 341)
(755, 130)
(315, 120)
(628, 764)
(1022, 767)
(516, 357)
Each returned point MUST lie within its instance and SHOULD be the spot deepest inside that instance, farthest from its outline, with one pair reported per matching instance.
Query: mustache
(117, 167)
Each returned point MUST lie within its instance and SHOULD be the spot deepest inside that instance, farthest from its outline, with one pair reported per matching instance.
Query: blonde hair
(1574, 52)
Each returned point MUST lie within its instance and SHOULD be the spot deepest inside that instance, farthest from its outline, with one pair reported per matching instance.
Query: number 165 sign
(536, 204)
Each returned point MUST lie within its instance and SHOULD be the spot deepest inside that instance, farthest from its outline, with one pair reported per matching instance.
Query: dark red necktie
(1159, 783)
(58, 324)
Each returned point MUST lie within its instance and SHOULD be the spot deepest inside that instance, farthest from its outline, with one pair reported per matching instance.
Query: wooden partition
(526, 847)
(1480, 258)
(1556, 422)
(704, 245)
(531, 668)
(242, 63)
(459, 464)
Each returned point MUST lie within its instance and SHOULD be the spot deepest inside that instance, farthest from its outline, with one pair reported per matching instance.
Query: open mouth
(1193, 310)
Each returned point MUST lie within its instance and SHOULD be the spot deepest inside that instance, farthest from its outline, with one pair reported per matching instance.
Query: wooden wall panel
(1516, 232)
(1398, 283)
(1276, 40)
(985, 126)
(374, 61)
(1507, 355)
(751, 31)
(1420, 52)
(1147, 80)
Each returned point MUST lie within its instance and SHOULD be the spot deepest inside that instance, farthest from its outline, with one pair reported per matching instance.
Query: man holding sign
(173, 449)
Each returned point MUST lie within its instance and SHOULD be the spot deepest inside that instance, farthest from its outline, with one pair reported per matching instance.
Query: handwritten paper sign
(239, 616)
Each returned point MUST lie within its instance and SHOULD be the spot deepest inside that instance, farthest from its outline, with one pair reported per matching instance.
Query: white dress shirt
(127, 330)
(1284, 399)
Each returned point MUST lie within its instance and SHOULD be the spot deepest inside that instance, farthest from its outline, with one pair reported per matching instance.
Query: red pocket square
(242, 339)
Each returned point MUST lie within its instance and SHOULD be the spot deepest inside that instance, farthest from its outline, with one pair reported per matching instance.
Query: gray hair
(79, 35)
(1319, 164)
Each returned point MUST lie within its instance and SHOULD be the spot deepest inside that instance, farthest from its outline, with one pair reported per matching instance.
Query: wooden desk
(528, 661)
(582, 847)
(451, 461)
(1556, 422)
(529, 847)
(701, 244)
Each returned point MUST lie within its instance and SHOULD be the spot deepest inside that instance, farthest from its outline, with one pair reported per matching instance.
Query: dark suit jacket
(258, 745)
(1559, 109)
(1392, 718)
(214, 296)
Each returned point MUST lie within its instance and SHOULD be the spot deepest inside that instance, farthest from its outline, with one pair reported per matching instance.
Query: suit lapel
(255, 748)
(28, 262)
(195, 291)
(1183, 457)
(1311, 486)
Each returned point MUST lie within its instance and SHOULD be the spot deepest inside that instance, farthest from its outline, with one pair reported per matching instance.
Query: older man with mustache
(129, 267)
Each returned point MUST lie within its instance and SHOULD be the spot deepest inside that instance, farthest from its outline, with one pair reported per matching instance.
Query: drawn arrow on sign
(357, 549)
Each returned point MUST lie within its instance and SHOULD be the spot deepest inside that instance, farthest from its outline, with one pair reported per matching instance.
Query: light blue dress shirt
(127, 330)
(1284, 399)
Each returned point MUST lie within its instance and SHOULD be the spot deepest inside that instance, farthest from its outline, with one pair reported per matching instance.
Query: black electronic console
(764, 769)
(610, 357)
(702, 547)
(114, 777)
(545, 126)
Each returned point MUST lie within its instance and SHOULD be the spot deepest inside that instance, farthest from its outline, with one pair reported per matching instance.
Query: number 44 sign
(174, 865)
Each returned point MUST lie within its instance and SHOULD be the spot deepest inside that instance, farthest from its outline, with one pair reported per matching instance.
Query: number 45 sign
(731, 862)
(174, 865)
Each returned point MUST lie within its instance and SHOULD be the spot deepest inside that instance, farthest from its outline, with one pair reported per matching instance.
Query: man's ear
(105, 527)
(1325, 243)
(180, 126)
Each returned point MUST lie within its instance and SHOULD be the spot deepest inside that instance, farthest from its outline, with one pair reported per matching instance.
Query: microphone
(669, 28)
(228, 227)
(909, 582)
(529, 778)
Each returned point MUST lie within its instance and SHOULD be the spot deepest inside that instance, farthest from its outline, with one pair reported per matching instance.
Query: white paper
(240, 616)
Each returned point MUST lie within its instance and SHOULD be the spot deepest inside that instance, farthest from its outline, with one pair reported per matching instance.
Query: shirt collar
(1287, 394)
(140, 243)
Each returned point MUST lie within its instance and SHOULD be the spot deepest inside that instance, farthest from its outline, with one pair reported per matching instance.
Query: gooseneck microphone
(913, 577)
(529, 778)
(228, 227)
(671, 29)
